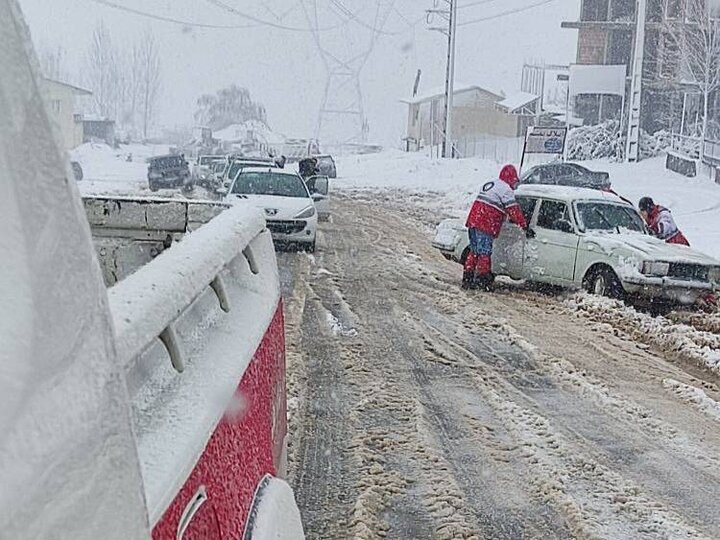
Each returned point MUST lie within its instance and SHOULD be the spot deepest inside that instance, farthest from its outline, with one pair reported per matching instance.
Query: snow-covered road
(420, 411)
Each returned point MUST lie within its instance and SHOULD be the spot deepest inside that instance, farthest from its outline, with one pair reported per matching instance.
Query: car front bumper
(676, 290)
(292, 231)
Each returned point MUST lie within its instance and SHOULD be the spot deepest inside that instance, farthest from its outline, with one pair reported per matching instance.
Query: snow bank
(107, 170)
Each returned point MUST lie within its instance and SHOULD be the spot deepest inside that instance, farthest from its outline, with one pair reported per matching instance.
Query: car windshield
(270, 183)
(596, 216)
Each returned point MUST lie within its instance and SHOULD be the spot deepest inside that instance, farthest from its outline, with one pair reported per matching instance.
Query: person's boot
(481, 282)
(468, 280)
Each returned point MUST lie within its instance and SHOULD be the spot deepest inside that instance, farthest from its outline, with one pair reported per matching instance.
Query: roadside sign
(544, 140)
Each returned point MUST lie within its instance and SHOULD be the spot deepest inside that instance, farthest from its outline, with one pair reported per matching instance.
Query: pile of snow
(687, 342)
(605, 141)
(108, 170)
(448, 187)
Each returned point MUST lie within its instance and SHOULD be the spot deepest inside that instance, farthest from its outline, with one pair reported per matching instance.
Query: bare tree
(52, 62)
(102, 72)
(692, 50)
(150, 77)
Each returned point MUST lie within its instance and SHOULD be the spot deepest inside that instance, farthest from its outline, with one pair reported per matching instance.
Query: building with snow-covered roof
(477, 112)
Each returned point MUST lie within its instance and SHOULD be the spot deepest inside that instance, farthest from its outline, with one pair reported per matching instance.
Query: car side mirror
(564, 226)
(222, 191)
(318, 197)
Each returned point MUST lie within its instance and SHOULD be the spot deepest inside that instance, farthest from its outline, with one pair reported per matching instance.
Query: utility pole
(632, 149)
(450, 15)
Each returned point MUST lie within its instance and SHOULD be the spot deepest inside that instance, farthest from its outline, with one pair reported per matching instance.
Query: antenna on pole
(449, 14)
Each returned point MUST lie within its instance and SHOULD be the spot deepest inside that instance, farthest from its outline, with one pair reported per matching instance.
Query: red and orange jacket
(495, 202)
(663, 226)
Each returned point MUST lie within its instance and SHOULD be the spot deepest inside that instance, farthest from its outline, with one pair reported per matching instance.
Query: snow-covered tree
(150, 77)
(232, 105)
(692, 51)
(102, 72)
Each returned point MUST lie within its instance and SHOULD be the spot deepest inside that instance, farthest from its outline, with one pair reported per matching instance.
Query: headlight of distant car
(307, 213)
(659, 269)
(714, 274)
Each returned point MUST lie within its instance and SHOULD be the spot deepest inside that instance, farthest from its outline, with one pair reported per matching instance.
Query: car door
(550, 256)
(509, 248)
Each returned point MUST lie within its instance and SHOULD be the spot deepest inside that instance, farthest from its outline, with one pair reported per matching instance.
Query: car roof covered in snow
(267, 168)
(568, 194)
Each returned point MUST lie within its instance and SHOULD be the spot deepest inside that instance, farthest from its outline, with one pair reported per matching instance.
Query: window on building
(55, 105)
(669, 56)
(655, 10)
(652, 51)
(620, 47)
(673, 9)
(622, 10)
(594, 10)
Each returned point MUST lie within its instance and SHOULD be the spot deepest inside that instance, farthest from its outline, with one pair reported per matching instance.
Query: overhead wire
(476, 3)
(230, 9)
(162, 18)
(506, 13)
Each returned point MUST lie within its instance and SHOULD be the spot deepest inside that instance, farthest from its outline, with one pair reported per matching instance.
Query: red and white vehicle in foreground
(152, 409)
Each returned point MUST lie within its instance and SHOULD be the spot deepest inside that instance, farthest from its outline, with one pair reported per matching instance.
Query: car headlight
(652, 268)
(307, 213)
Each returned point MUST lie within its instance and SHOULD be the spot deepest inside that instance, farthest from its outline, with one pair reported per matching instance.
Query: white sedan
(284, 198)
(593, 240)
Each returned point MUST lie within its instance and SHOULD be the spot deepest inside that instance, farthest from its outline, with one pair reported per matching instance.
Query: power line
(108, 3)
(358, 20)
(476, 3)
(509, 12)
(234, 11)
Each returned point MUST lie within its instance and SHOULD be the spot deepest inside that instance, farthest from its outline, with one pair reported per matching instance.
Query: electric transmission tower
(342, 119)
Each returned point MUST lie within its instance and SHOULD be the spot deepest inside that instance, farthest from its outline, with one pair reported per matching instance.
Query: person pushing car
(494, 203)
(661, 222)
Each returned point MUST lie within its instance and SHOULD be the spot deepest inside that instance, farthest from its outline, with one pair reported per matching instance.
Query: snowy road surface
(420, 411)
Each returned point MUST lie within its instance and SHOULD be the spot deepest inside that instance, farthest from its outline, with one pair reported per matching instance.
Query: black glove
(529, 233)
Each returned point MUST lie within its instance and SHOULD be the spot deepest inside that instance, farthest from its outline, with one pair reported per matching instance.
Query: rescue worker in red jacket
(661, 222)
(495, 202)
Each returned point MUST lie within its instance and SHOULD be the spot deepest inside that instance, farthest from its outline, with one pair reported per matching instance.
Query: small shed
(478, 112)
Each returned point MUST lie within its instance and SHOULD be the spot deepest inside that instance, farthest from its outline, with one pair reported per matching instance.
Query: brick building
(606, 31)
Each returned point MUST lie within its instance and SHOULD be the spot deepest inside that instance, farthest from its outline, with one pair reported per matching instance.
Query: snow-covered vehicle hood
(647, 248)
(274, 207)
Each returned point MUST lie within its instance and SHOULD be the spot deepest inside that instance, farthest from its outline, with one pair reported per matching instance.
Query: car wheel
(604, 282)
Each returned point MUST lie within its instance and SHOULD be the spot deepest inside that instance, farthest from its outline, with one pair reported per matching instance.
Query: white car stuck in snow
(593, 240)
(284, 198)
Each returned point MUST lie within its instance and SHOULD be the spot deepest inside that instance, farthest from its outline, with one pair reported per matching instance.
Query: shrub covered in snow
(606, 141)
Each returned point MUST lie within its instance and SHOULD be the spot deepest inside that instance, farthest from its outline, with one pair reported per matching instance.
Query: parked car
(237, 163)
(77, 170)
(203, 169)
(171, 171)
(593, 240)
(326, 166)
(319, 187)
(566, 174)
(283, 196)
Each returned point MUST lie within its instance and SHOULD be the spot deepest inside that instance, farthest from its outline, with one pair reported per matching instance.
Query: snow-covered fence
(688, 146)
(499, 149)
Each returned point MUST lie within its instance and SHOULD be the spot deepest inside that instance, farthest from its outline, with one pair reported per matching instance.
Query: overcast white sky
(282, 68)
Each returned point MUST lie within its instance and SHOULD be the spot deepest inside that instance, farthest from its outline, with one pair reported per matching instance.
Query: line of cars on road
(292, 202)
(588, 237)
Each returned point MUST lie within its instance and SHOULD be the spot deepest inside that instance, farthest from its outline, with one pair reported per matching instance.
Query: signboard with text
(546, 140)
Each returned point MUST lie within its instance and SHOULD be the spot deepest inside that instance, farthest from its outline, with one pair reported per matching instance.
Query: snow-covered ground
(451, 186)
(108, 170)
